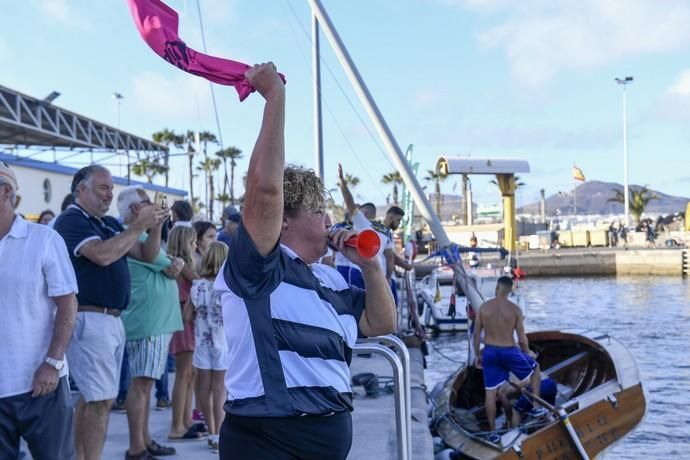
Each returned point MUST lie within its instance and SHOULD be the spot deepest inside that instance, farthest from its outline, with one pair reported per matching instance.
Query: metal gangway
(400, 362)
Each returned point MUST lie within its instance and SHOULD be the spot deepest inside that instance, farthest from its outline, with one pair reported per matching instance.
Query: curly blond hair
(302, 187)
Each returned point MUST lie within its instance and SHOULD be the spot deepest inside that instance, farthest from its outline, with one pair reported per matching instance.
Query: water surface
(649, 315)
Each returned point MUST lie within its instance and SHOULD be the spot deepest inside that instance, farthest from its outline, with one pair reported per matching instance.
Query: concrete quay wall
(640, 262)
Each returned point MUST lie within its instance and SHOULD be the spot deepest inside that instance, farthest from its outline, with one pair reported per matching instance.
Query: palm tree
(149, 168)
(209, 166)
(518, 182)
(232, 153)
(189, 139)
(351, 181)
(639, 198)
(436, 178)
(393, 178)
(223, 198)
(206, 137)
(167, 137)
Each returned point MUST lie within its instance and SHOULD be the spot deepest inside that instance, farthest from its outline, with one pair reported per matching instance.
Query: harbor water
(650, 316)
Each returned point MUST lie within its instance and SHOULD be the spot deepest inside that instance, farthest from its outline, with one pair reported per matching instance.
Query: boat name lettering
(553, 447)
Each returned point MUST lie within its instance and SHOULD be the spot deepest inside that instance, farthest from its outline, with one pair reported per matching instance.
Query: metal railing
(400, 361)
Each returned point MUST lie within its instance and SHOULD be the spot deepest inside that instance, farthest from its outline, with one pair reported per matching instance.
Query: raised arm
(105, 252)
(263, 210)
(379, 308)
(402, 263)
(347, 195)
(148, 250)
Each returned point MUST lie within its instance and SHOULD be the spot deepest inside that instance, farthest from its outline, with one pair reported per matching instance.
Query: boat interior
(576, 366)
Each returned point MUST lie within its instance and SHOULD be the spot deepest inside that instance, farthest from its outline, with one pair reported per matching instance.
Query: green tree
(393, 178)
(223, 198)
(518, 182)
(638, 199)
(167, 137)
(232, 154)
(149, 168)
(351, 181)
(436, 178)
(188, 139)
(208, 167)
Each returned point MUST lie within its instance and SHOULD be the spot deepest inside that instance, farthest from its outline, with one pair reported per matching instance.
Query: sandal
(190, 435)
(161, 451)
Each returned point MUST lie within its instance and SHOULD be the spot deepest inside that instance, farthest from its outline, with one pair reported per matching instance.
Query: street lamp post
(119, 97)
(625, 81)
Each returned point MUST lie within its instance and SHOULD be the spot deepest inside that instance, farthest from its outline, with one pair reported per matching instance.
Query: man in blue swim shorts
(499, 318)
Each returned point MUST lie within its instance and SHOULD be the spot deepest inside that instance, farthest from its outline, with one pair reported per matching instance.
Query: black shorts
(44, 422)
(286, 438)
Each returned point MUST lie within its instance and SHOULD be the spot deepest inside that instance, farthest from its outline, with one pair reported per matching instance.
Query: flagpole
(574, 198)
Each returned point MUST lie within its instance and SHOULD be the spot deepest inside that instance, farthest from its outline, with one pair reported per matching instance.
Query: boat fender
(451, 307)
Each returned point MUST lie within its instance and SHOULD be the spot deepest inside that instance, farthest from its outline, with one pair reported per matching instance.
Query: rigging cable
(213, 94)
(342, 90)
(345, 137)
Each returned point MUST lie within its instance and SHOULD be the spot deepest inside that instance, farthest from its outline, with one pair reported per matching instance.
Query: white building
(44, 185)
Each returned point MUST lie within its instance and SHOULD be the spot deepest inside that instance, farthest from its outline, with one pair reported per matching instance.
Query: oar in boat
(561, 414)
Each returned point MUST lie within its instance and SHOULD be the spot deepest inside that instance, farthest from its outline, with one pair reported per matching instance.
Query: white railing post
(402, 355)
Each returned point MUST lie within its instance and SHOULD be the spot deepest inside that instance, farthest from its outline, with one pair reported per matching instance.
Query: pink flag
(158, 24)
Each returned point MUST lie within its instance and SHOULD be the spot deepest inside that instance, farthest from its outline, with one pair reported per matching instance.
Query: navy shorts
(547, 391)
(498, 362)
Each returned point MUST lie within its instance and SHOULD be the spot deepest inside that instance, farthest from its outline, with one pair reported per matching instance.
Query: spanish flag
(578, 174)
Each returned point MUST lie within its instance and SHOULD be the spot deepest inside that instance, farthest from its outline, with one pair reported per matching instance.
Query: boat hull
(601, 411)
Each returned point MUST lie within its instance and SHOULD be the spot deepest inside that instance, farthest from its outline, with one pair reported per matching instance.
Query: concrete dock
(593, 261)
(374, 435)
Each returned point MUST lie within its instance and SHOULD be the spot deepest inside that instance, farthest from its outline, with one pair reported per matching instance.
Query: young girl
(205, 235)
(182, 244)
(211, 348)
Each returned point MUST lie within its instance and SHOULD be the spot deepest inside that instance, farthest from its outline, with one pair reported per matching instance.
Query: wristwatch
(58, 364)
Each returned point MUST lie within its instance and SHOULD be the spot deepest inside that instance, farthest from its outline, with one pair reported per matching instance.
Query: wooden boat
(598, 387)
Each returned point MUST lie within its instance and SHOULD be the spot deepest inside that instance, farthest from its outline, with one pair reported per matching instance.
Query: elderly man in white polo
(38, 306)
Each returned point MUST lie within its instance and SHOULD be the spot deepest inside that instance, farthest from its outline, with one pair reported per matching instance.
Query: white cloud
(60, 11)
(176, 99)
(544, 37)
(681, 87)
(674, 104)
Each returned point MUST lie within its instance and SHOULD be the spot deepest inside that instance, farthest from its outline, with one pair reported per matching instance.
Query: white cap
(7, 174)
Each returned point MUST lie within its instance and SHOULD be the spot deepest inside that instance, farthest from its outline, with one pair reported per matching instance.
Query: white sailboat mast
(393, 148)
(372, 109)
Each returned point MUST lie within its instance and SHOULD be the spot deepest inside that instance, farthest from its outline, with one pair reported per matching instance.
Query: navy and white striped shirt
(290, 329)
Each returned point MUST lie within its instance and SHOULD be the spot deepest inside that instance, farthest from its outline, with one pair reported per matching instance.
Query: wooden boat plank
(598, 426)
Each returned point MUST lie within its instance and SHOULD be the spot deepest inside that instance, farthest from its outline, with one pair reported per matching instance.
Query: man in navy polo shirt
(98, 247)
(290, 322)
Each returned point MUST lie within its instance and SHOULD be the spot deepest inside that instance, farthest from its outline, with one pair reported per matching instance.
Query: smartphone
(161, 200)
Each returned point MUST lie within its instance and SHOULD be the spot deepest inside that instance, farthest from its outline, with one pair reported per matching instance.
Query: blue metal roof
(62, 169)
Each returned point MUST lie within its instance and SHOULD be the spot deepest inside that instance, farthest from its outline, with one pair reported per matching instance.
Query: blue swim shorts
(547, 391)
(499, 361)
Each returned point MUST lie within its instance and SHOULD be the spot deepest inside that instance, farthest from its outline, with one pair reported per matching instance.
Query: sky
(483, 78)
